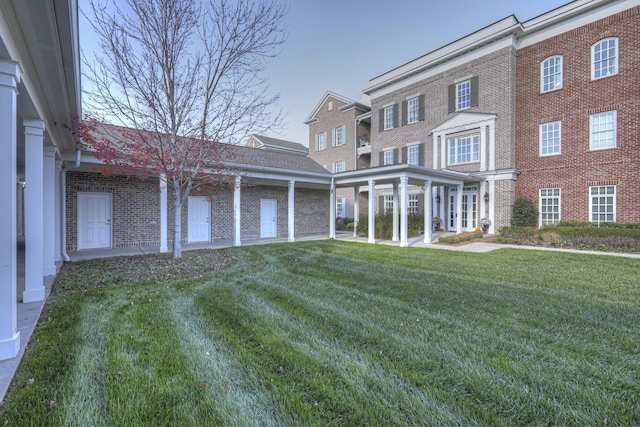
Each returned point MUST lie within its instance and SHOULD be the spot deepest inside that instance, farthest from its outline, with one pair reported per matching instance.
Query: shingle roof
(281, 143)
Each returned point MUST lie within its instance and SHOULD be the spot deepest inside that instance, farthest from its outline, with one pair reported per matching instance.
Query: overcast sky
(338, 45)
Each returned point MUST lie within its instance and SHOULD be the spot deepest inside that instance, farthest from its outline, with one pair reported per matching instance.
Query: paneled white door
(268, 218)
(199, 211)
(94, 220)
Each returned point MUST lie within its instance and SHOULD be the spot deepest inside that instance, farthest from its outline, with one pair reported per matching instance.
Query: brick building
(546, 109)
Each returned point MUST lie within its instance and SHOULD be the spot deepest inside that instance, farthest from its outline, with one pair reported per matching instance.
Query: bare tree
(182, 76)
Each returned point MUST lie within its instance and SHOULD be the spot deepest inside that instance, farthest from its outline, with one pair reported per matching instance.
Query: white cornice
(312, 117)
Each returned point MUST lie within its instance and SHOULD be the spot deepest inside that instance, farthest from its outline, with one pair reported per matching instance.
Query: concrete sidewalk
(28, 314)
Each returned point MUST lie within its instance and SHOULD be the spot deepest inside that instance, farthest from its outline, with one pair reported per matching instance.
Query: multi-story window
(602, 206)
(551, 73)
(604, 58)
(338, 136)
(603, 130)
(321, 141)
(389, 117)
(388, 204)
(464, 149)
(413, 204)
(549, 206)
(341, 207)
(413, 154)
(413, 109)
(388, 157)
(463, 95)
(339, 166)
(550, 134)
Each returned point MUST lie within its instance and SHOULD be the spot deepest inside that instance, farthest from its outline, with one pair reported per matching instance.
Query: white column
(57, 202)
(443, 203)
(404, 220)
(483, 148)
(163, 214)
(291, 211)
(395, 212)
(236, 212)
(428, 224)
(459, 209)
(9, 335)
(492, 206)
(356, 209)
(49, 224)
(332, 210)
(492, 146)
(372, 212)
(435, 151)
(33, 210)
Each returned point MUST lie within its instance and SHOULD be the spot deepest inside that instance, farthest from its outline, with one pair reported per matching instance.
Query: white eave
(312, 117)
(501, 29)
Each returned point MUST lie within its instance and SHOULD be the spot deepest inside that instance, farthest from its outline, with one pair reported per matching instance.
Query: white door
(469, 209)
(94, 220)
(199, 228)
(268, 215)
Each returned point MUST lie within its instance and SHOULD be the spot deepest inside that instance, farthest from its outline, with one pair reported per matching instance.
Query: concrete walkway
(28, 314)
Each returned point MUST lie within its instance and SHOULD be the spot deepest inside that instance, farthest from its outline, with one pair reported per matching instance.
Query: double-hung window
(550, 134)
(341, 207)
(413, 155)
(464, 149)
(389, 113)
(339, 166)
(602, 206)
(604, 58)
(549, 206)
(338, 136)
(321, 141)
(413, 204)
(463, 95)
(388, 157)
(413, 110)
(551, 73)
(388, 205)
(603, 130)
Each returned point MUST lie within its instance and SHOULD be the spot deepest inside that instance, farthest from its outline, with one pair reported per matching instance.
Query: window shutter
(381, 120)
(381, 158)
(452, 98)
(474, 91)
(421, 107)
(404, 112)
(396, 156)
(316, 142)
(405, 158)
(333, 137)
(395, 115)
(380, 205)
(421, 154)
(344, 134)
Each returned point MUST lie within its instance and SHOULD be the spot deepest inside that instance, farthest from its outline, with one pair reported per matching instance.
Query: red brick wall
(577, 167)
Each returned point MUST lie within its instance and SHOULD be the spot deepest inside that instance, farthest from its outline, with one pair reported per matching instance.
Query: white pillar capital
(10, 75)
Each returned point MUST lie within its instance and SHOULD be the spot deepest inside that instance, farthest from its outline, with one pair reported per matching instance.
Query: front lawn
(336, 333)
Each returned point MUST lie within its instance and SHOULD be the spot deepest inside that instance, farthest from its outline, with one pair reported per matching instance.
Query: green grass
(335, 333)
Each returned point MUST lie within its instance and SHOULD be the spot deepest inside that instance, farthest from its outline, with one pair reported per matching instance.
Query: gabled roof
(313, 116)
(280, 145)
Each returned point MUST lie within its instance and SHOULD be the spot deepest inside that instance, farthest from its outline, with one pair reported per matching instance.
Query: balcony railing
(364, 147)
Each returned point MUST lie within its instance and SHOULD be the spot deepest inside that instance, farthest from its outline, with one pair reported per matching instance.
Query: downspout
(63, 204)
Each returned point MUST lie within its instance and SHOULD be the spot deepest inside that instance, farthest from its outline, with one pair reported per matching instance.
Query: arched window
(551, 73)
(604, 58)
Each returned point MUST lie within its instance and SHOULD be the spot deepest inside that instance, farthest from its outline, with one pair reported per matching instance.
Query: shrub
(459, 238)
(517, 235)
(585, 236)
(525, 213)
(384, 226)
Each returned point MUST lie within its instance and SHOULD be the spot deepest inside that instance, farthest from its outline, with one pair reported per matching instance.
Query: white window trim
(335, 166)
(341, 207)
(391, 109)
(457, 100)
(593, 62)
(559, 196)
(335, 136)
(417, 111)
(559, 137)
(387, 204)
(448, 148)
(417, 148)
(325, 141)
(615, 131)
(384, 157)
(615, 203)
(415, 198)
(542, 73)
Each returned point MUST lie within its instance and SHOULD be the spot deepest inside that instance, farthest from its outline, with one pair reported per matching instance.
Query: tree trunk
(177, 225)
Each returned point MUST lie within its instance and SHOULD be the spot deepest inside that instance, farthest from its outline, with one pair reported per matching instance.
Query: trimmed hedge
(384, 226)
(579, 235)
(460, 238)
